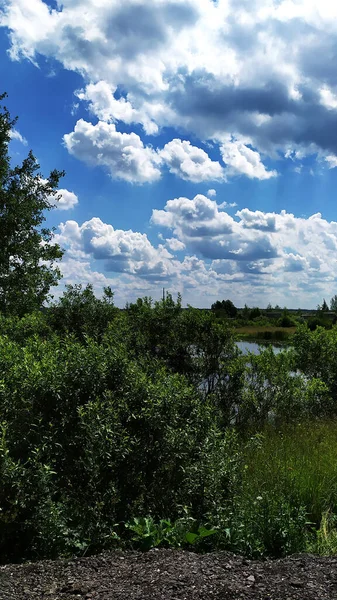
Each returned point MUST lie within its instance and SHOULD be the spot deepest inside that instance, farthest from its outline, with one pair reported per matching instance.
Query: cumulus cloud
(294, 263)
(253, 243)
(175, 245)
(104, 105)
(205, 228)
(123, 154)
(63, 200)
(328, 98)
(82, 272)
(332, 161)
(66, 200)
(189, 162)
(243, 257)
(211, 193)
(163, 66)
(127, 288)
(242, 160)
(121, 251)
(126, 157)
(199, 217)
(257, 219)
(101, 97)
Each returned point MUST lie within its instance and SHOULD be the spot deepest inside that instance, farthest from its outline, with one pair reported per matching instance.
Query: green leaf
(203, 532)
(191, 537)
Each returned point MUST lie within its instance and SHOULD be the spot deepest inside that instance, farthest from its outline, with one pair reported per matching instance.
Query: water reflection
(253, 347)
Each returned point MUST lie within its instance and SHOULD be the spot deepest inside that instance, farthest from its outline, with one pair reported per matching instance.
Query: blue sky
(198, 139)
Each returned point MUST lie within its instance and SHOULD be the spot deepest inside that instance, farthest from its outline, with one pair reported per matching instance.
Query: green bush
(21, 329)
(316, 357)
(286, 321)
(79, 312)
(267, 525)
(254, 314)
(154, 430)
(91, 438)
(272, 391)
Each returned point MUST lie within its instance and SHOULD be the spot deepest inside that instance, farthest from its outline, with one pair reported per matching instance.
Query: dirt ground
(171, 575)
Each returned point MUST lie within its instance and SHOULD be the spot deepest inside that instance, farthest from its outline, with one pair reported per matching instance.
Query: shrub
(90, 439)
(254, 313)
(286, 321)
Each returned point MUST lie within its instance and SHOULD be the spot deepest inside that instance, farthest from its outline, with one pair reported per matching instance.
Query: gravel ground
(171, 575)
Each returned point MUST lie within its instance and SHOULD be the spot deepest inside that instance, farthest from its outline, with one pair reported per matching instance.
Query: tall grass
(288, 499)
(300, 460)
(268, 334)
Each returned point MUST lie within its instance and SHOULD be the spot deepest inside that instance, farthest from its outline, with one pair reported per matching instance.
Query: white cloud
(103, 104)
(162, 65)
(123, 154)
(211, 193)
(126, 157)
(174, 244)
(242, 160)
(328, 98)
(257, 219)
(265, 246)
(121, 251)
(63, 200)
(189, 162)
(294, 263)
(207, 230)
(197, 218)
(16, 135)
(81, 271)
(66, 200)
(332, 161)
(227, 205)
(242, 258)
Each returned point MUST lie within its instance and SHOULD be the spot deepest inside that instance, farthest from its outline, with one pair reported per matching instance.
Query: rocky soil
(171, 575)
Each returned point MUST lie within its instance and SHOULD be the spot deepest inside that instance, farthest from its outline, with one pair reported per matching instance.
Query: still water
(253, 347)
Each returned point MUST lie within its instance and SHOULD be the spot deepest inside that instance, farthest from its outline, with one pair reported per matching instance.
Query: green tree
(324, 307)
(27, 254)
(333, 303)
(254, 313)
(78, 311)
(286, 320)
(225, 306)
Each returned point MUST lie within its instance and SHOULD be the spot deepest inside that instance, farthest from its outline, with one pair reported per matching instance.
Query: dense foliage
(225, 308)
(27, 252)
(146, 426)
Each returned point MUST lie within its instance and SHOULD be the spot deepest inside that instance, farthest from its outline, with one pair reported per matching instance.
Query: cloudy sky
(199, 140)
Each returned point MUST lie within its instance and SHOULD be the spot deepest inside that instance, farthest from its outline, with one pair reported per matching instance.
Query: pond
(246, 347)
(254, 347)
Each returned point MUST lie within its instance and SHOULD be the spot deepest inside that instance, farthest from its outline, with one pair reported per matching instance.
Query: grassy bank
(284, 498)
(289, 489)
(265, 333)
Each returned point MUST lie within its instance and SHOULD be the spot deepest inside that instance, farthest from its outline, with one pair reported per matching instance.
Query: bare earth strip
(171, 575)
